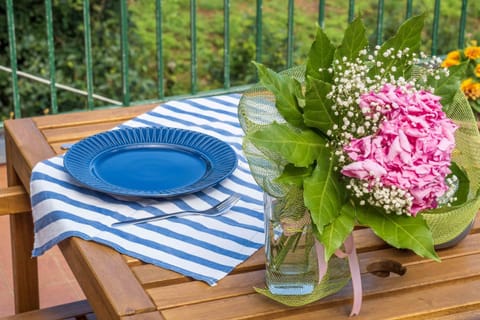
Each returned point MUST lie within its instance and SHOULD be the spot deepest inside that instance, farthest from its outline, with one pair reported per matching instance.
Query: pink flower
(364, 169)
(411, 149)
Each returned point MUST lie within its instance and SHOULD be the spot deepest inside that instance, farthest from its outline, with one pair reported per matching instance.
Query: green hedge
(69, 43)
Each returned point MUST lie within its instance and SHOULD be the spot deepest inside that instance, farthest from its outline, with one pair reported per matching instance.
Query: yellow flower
(470, 86)
(449, 62)
(453, 55)
(471, 89)
(472, 52)
(477, 70)
(452, 59)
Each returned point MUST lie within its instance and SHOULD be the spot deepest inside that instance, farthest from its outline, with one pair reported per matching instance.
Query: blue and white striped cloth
(205, 248)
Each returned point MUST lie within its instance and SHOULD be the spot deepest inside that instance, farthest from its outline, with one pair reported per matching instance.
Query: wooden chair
(14, 201)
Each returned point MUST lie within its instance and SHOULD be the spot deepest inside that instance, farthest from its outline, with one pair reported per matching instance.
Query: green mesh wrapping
(257, 109)
(337, 277)
(447, 224)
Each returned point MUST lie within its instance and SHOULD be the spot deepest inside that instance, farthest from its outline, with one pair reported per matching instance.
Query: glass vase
(291, 259)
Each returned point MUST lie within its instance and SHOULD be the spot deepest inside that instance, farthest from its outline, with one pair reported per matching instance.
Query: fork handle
(154, 218)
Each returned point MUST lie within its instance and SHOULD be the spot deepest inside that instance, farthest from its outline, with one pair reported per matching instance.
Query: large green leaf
(318, 112)
(286, 90)
(292, 175)
(320, 56)
(400, 231)
(300, 148)
(446, 87)
(408, 36)
(323, 191)
(334, 234)
(354, 40)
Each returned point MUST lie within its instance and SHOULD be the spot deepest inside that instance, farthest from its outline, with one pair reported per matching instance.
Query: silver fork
(218, 209)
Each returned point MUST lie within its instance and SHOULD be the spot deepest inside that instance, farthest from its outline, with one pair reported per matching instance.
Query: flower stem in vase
(291, 262)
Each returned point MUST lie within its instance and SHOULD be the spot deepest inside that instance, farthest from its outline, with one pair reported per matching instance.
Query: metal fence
(126, 99)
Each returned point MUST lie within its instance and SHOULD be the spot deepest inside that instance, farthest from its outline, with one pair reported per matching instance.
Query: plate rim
(78, 165)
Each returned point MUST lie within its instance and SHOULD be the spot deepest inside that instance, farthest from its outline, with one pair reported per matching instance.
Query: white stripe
(224, 113)
(196, 126)
(160, 117)
(227, 98)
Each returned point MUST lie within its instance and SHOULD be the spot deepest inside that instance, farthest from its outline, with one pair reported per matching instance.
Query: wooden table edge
(25, 147)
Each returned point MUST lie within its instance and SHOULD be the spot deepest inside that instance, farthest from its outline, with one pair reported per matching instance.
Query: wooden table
(119, 287)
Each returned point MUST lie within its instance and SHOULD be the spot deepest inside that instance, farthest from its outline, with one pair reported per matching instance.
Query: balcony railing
(464, 12)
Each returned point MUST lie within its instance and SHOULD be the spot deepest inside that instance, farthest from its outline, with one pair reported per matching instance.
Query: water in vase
(291, 261)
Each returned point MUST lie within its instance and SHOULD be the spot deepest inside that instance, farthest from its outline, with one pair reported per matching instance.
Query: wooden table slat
(443, 298)
(196, 292)
(78, 119)
(428, 302)
(14, 200)
(69, 134)
(145, 316)
(466, 313)
(151, 276)
(468, 246)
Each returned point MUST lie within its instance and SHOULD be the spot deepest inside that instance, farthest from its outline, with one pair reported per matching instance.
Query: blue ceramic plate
(150, 162)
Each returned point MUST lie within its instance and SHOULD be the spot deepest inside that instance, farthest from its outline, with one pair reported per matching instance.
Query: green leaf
(285, 89)
(354, 40)
(335, 233)
(400, 231)
(300, 148)
(475, 104)
(446, 87)
(290, 205)
(318, 112)
(323, 191)
(320, 56)
(292, 175)
(408, 36)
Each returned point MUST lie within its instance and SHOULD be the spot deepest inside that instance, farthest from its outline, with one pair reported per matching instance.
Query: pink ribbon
(351, 254)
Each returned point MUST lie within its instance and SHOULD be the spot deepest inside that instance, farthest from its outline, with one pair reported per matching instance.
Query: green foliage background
(68, 27)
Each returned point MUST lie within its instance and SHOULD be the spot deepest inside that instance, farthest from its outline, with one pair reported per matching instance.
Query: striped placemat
(205, 248)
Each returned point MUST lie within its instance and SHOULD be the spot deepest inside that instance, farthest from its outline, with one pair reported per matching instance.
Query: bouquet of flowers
(469, 61)
(381, 138)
